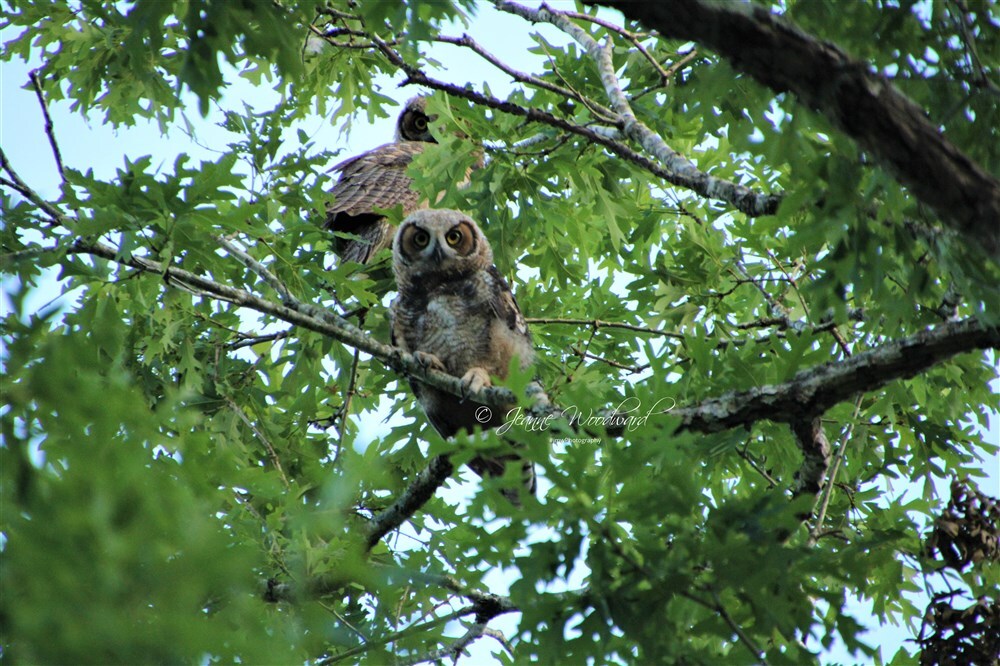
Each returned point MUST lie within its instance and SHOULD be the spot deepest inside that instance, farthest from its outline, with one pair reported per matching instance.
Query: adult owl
(377, 179)
(456, 313)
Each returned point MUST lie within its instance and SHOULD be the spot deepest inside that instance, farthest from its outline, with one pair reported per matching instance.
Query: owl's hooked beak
(437, 254)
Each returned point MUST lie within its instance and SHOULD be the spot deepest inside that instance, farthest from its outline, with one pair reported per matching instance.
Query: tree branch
(745, 200)
(486, 605)
(36, 83)
(250, 341)
(455, 650)
(420, 490)
(272, 455)
(260, 269)
(811, 392)
(675, 169)
(863, 104)
(823, 502)
(816, 453)
(305, 315)
(468, 42)
(21, 187)
(597, 323)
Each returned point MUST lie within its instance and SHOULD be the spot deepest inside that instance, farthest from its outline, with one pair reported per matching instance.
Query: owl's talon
(429, 361)
(474, 380)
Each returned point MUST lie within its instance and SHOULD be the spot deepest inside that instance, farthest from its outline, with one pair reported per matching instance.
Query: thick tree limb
(816, 454)
(811, 392)
(864, 105)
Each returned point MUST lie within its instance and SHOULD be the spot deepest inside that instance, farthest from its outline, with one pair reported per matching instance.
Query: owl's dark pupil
(453, 237)
(421, 123)
(421, 238)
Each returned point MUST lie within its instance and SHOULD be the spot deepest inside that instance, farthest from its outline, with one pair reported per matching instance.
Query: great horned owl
(377, 179)
(456, 313)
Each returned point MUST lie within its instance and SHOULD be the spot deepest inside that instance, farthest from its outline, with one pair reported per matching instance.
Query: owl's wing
(396, 338)
(376, 179)
(503, 304)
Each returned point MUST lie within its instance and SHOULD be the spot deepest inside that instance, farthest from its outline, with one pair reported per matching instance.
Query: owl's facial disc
(414, 125)
(420, 238)
(461, 238)
(416, 242)
(439, 242)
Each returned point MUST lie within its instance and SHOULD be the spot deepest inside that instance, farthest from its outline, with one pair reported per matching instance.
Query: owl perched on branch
(377, 179)
(456, 313)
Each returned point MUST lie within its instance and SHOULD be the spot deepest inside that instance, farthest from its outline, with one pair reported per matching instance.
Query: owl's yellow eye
(453, 237)
(421, 238)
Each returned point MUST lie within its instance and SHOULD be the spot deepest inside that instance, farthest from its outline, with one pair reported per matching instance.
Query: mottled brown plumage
(456, 313)
(377, 179)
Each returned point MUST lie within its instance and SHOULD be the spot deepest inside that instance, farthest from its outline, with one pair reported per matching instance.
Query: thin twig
(420, 490)
(16, 183)
(745, 455)
(682, 63)
(670, 72)
(271, 453)
(345, 409)
(652, 576)
(634, 369)
(515, 148)
(737, 629)
(597, 323)
(838, 457)
(970, 47)
(468, 42)
(777, 311)
(605, 116)
(49, 127)
(336, 13)
(258, 339)
(402, 633)
(582, 357)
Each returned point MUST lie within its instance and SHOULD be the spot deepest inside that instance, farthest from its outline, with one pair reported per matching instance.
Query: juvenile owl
(377, 179)
(456, 313)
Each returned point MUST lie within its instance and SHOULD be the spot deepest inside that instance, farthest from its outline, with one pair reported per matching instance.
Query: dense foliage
(190, 476)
